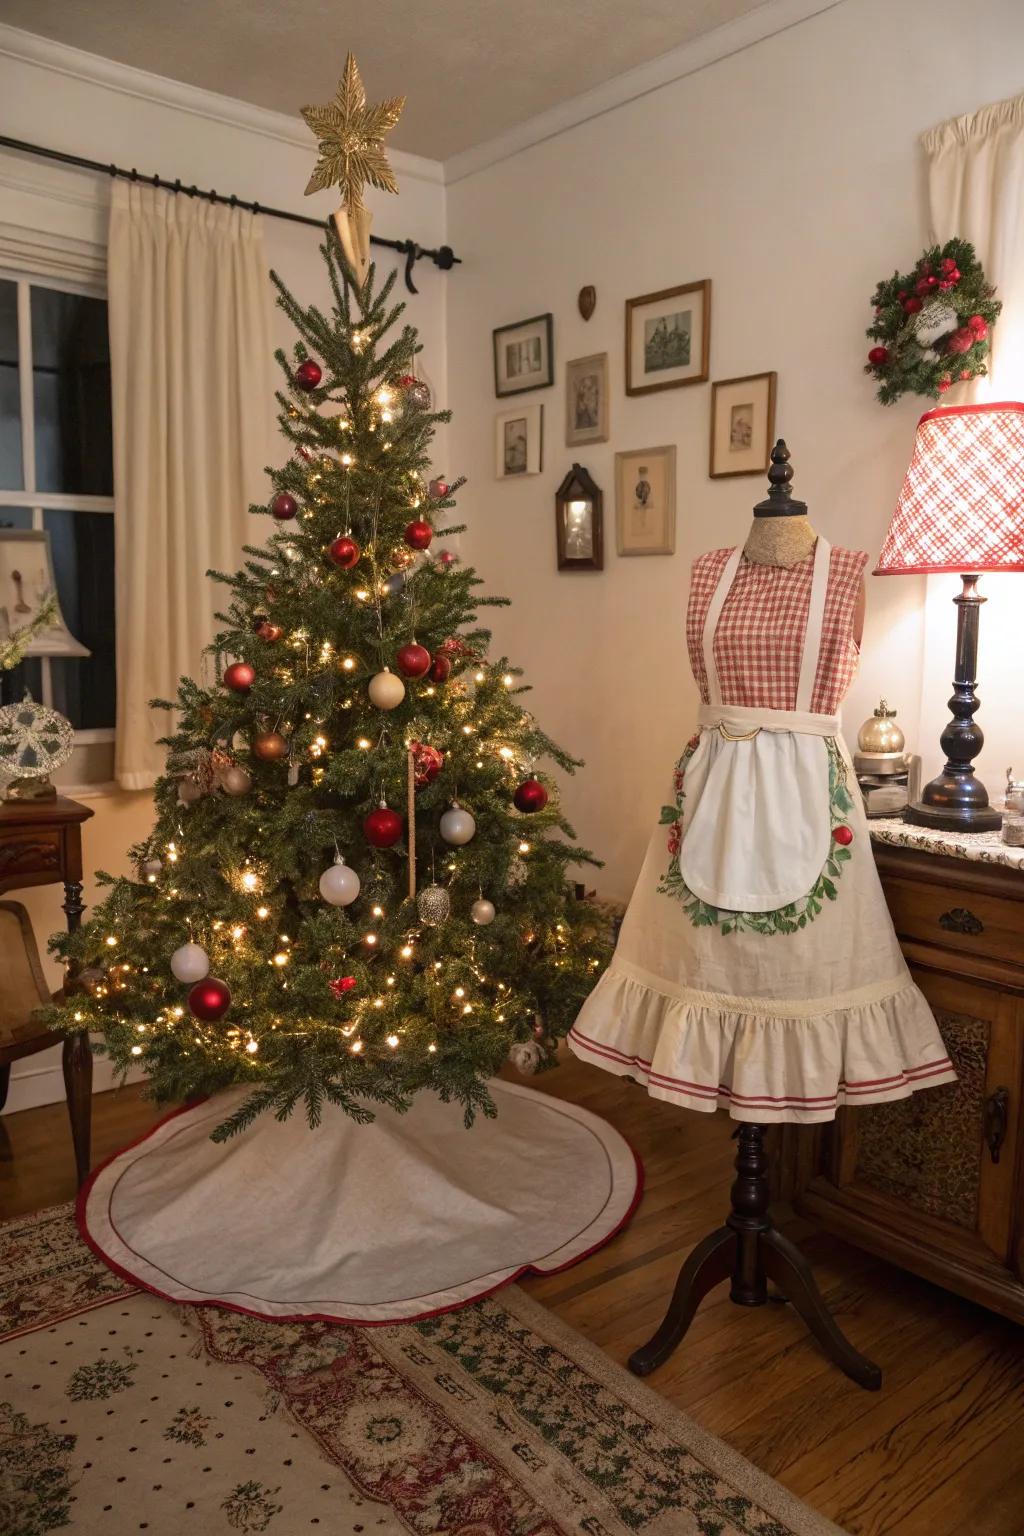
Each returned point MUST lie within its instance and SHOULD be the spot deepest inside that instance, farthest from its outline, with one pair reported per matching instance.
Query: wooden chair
(22, 991)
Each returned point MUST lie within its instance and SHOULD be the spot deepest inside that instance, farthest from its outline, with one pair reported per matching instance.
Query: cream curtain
(192, 407)
(976, 190)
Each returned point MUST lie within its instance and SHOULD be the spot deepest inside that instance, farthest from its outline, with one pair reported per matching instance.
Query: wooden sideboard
(935, 1182)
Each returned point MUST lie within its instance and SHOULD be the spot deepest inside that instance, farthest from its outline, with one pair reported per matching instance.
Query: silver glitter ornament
(433, 905)
(525, 1056)
(418, 395)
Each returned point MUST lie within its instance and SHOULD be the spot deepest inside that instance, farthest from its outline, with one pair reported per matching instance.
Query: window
(56, 473)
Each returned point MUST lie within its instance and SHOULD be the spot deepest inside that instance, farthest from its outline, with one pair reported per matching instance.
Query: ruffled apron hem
(767, 1067)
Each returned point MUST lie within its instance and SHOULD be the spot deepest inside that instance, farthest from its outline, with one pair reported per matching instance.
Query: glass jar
(1013, 811)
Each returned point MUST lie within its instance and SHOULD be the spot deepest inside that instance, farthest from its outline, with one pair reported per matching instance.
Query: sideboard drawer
(34, 852)
(973, 921)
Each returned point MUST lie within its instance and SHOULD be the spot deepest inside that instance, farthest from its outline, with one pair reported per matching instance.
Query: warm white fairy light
(136, 1050)
(524, 847)
(432, 1048)
(356, 1047)
(378, 1002)
(391, 981)
(110, 941)
(249, 880)
(406, 951)
(506, 753)
(237, 932)
(178, 1013)
(479, 676)
(392, 1040)
(508, 679)
(363, 595)
(262, 911)
(347, 461)
(468, 1008)
(460, 991)
(371, 938)
(363, 744)
(281, 958)
(79, 1017)
(349, 663)
(378, 911)
(252, 1046)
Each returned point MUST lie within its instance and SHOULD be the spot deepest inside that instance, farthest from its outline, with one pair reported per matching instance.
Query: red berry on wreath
(284, 506)
(383, 827)
(344, 552)
(842, 835)
(418, 534)
(530, 796)
(911, 306)
(960, 341)
(441, 669)
(978, 327)
(308, 374)
(209, 999)
(945, 383)
(877, 356)
(239, 677)
(948, 265)
(965, 373)
(413, 660)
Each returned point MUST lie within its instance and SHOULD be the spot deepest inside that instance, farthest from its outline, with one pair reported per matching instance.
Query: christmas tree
(357, 885)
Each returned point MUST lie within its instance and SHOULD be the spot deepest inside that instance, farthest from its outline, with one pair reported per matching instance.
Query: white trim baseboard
(38, 1080)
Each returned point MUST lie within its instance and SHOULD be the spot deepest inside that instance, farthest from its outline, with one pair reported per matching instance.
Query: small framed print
(519, 442)
(645, 501)
(586, 400)
(742, 425)
(668, 338)
(524, 356)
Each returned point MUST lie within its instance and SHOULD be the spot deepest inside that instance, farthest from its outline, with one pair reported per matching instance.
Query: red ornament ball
(342, 984)
(418, 534)
(383, 827)
(270, 746)
(344, 552)
(427, 763)
(413, 660)
(284, 506)
(268, 631)
(209, 999)
(439, 489)
(530, 796)
(842, 835)
(308, 374)
(877, 356)
(441, 669)
(911, 306)
(239, 677)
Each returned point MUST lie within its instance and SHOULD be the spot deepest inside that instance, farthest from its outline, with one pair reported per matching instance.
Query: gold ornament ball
(270, 746)
(881, 733)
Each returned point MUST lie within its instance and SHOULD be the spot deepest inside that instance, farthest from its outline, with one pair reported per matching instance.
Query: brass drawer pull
(960, 920)
(994, 1120)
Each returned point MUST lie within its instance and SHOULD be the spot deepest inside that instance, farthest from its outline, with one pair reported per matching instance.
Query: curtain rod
(443, 257)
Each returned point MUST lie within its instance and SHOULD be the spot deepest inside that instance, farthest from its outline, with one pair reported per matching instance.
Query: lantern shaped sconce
(579, 522)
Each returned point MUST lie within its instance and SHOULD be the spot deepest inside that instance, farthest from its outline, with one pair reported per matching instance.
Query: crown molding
(770, 18)
(46, 53)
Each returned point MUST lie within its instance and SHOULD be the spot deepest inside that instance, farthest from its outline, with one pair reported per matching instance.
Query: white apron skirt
(757, 968)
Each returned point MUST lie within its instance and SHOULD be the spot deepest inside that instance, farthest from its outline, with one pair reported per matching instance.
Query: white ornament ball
(482, 912)
(457, 826)
(433, 905)
(149, 869)
(235, 781)
(190, 963)
(339, 885)
(386, 690)
(525, 1056)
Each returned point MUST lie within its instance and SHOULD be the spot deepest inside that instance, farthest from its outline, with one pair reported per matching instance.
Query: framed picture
(519, 442)
(645, 501)
(742, 425)
(579, 520)
(586, 400)
(524, 356)
(668, 338)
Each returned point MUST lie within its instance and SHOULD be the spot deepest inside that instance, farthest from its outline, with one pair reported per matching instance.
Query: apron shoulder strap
(815, 617)
(714, 613)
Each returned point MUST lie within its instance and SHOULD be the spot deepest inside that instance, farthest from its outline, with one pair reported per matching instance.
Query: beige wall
(789, 175)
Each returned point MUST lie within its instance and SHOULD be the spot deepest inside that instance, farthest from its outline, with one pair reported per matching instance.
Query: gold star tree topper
(352, 153)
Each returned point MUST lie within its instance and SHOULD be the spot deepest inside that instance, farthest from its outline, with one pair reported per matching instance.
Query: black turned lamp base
(751, 1250)
(952, 818)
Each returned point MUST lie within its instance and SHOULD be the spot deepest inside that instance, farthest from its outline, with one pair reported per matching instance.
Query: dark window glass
(83, 564)
(11, 469)
(30, 673)
(71, 383)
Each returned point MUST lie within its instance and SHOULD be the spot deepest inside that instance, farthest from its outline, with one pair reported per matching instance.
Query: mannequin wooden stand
(751, 1250)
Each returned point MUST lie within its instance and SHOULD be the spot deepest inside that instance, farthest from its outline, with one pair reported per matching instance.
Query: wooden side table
(41, 844)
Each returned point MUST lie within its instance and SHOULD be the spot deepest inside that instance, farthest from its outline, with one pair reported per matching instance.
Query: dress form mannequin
(782, 533)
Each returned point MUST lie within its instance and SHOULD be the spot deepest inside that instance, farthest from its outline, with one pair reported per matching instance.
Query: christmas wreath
(932, 325)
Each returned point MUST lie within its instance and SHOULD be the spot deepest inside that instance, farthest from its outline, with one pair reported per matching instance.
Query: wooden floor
(940, 1450)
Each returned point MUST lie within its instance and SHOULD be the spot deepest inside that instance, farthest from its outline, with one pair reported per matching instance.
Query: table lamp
(961, 509)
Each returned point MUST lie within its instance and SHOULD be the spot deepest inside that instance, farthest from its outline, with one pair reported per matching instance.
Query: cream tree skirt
(378, 1223)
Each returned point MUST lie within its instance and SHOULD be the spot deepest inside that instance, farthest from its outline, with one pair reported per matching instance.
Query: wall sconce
(579, 522)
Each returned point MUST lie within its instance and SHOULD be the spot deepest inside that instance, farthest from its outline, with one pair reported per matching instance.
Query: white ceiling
(471, 69)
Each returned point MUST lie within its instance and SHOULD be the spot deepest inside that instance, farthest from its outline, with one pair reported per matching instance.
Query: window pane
(30, 673)
(11, 476)
(83, 563)
(71, 383)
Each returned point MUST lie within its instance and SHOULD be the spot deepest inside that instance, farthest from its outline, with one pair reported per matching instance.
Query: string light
(406, 951)
(524, 847)
(111, 941)
(371, 938)
(136, 1050)
(262, 911)
(237, 932)
(356, 1047)
(378, 911)
(460, 991)
(363, 744)
(432, 1048)
(280, 958)
(252, 1046)
(347, 461)
(508, 680)
(392, 1040)
(349, 663)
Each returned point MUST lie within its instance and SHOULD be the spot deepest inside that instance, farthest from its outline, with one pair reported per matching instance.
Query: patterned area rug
(122, 1413)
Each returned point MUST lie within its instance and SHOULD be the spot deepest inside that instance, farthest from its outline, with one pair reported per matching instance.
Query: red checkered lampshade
(962, 503)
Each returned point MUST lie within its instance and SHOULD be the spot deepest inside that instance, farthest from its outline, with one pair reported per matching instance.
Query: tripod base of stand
(750, 1250)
